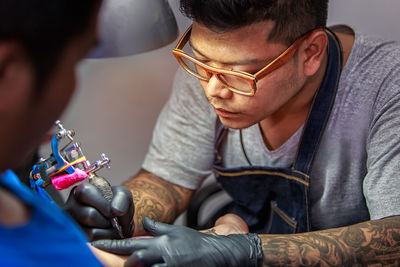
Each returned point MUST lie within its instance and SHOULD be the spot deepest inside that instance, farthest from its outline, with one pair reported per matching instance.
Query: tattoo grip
(105, 189)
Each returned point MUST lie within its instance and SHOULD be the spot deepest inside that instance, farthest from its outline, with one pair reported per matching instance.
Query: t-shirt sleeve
(181, 149)
(382, 182)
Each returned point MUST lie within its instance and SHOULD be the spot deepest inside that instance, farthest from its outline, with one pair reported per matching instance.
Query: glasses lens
(191, 67)
(236, 82)
(194, 69)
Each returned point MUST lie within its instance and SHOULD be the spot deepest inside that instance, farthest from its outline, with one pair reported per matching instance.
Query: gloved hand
(93, 212)
(182, 246)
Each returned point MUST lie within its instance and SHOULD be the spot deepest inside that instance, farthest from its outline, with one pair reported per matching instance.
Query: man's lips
(225, 113)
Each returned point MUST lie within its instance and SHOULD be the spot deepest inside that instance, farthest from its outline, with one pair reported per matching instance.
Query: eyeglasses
(240, 82)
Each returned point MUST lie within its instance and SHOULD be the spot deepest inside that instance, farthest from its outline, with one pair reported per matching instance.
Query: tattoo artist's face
(245, 49)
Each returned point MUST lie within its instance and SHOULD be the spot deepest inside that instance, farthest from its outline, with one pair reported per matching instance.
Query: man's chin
(235, 124)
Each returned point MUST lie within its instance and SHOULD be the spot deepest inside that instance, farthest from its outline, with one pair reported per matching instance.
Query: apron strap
(220, 134)
(321, 107)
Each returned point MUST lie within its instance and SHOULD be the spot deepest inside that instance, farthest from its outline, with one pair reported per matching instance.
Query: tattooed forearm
(156, 198)
(372, 243)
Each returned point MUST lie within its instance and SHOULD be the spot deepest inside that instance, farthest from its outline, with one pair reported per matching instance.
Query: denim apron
(277, 200)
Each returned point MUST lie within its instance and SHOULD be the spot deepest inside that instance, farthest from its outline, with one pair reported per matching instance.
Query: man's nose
(216, 88)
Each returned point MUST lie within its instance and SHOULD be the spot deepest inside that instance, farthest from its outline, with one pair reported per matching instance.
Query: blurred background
(118, 99)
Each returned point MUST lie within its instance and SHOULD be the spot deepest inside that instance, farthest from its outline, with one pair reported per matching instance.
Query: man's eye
(203, 60)
(252, 70)
(198, 57)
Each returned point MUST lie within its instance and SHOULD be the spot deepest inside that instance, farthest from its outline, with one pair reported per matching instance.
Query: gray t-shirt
(357, 168)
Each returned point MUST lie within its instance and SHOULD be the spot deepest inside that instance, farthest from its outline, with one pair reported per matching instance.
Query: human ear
(15, 74)
(314, 52)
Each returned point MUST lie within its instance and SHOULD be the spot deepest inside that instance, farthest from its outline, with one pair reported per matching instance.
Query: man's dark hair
(292, 17)
(44, 27)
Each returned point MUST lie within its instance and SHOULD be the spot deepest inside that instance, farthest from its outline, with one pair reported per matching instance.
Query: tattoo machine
(67, 166)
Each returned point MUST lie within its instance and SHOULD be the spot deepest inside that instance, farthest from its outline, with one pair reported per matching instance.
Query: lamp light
(129, 27)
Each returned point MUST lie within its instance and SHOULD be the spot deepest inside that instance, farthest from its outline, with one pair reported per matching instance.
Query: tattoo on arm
(372, 243)
(156, 198)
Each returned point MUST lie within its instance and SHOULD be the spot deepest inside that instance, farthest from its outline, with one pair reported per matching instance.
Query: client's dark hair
(292, 17)
(44, 27)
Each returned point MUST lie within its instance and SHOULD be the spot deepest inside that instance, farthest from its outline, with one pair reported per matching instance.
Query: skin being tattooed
(156, 198)
(372, 243)
(210, 231)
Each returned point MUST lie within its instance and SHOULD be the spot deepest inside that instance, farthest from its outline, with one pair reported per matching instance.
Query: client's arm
(108, 259)
(228, 224)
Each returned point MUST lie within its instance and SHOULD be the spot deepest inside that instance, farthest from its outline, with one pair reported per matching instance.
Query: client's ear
(16, 74)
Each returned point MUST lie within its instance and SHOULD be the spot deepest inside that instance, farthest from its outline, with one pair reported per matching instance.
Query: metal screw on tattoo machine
(67, 165)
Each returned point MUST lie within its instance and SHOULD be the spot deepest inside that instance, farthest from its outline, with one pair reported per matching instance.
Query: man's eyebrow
(242, 62)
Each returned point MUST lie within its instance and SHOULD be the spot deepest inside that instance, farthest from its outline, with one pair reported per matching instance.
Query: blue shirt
(50, 238)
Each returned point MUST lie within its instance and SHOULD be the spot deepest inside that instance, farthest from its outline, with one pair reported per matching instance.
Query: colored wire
(80, 160)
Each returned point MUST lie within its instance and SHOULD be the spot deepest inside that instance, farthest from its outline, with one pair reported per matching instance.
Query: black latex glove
(182, 246)
(93, 212)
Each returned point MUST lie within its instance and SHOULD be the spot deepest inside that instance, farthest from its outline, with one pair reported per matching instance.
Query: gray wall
(377, 17)
(118, 100)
